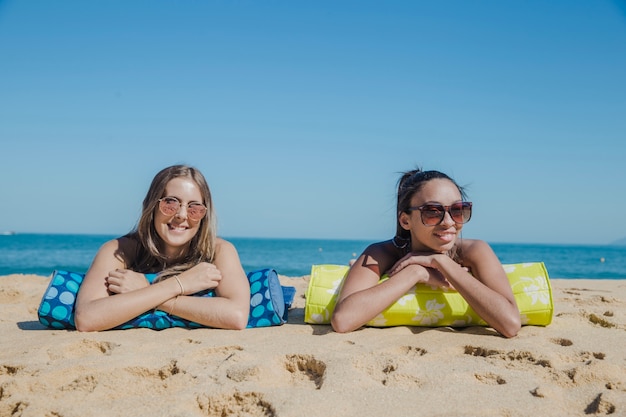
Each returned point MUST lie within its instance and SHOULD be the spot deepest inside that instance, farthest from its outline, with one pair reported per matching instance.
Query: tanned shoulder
(384, 254)
(472, 250)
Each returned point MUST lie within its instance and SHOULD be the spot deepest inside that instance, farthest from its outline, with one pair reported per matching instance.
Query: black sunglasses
(433, 214)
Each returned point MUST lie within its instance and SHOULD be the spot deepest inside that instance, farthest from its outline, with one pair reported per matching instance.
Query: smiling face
(177, 230)
(439, 238)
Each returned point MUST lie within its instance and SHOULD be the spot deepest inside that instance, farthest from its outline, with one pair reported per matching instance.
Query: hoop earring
(403, 245)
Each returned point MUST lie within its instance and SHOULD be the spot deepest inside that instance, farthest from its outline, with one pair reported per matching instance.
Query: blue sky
(302, 114)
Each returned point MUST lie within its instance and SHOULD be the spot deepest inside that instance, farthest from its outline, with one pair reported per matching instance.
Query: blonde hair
(150, 256)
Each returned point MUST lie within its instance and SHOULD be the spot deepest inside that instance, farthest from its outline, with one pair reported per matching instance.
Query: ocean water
(43, 253)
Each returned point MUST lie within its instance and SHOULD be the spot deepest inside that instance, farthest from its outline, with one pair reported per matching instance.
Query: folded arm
(487, 289)
(111, 295)
(361, 297)
(231, 308)
(481, 281)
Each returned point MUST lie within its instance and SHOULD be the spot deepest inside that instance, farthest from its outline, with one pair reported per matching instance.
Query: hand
(426, 259)
(421, 267)
(412, 258)
(122, 281)
(201, 277)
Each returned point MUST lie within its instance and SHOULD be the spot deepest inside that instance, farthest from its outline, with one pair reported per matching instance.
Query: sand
(574, 367)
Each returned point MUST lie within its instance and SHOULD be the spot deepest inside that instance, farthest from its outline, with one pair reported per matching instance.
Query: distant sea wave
(42, 253)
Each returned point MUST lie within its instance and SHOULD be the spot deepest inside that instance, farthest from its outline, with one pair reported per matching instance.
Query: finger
(116, 273)
(114, 281)
(400, 265)
(114, 288)
(396, 268)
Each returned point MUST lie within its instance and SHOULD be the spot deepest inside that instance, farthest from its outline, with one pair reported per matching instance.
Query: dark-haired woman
(427, 248)
(175, 238)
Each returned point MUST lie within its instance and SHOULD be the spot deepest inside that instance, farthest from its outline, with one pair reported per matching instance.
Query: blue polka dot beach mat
(269, 303)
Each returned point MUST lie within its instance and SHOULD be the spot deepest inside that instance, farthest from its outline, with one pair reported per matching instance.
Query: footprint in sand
(137, 380)
(86, 383)
(490, 378)
(240, 373)
(15, 409)
(562, 342)
(408, 351)
(394, 367)
(513, 357)
(306, 368)
(521, 359)
(217, 356)
(8, 388)
(602, 299)
(587, 356)
(10, 370)
(161, 374)
(82, 348)
(595, 319)
(249, 404)
(600, 406)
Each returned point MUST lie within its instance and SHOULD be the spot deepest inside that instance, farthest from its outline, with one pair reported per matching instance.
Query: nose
(182, 211)
(447, 218)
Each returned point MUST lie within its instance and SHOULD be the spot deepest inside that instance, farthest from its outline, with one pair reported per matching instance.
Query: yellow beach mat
(424, 306)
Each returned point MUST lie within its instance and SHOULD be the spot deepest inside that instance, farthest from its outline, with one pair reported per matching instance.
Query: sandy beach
(574, 367)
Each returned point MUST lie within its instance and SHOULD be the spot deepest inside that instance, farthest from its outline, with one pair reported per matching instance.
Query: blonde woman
(175, 238)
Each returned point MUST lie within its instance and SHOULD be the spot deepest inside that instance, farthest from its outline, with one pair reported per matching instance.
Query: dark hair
(150, 256)
(410, 183)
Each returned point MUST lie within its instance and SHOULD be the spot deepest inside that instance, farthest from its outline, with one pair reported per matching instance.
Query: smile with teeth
(176, 228)
(446, 235)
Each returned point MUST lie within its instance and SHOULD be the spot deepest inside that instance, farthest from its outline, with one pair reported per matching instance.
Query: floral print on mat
(423, 305)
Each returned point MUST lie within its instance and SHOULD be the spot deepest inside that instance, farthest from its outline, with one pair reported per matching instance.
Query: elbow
(509, 333)
(82, 323)
(511, 327)
(87, 320)
(239, 320)
(84, 329)
(240, 324)
(339, 324)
